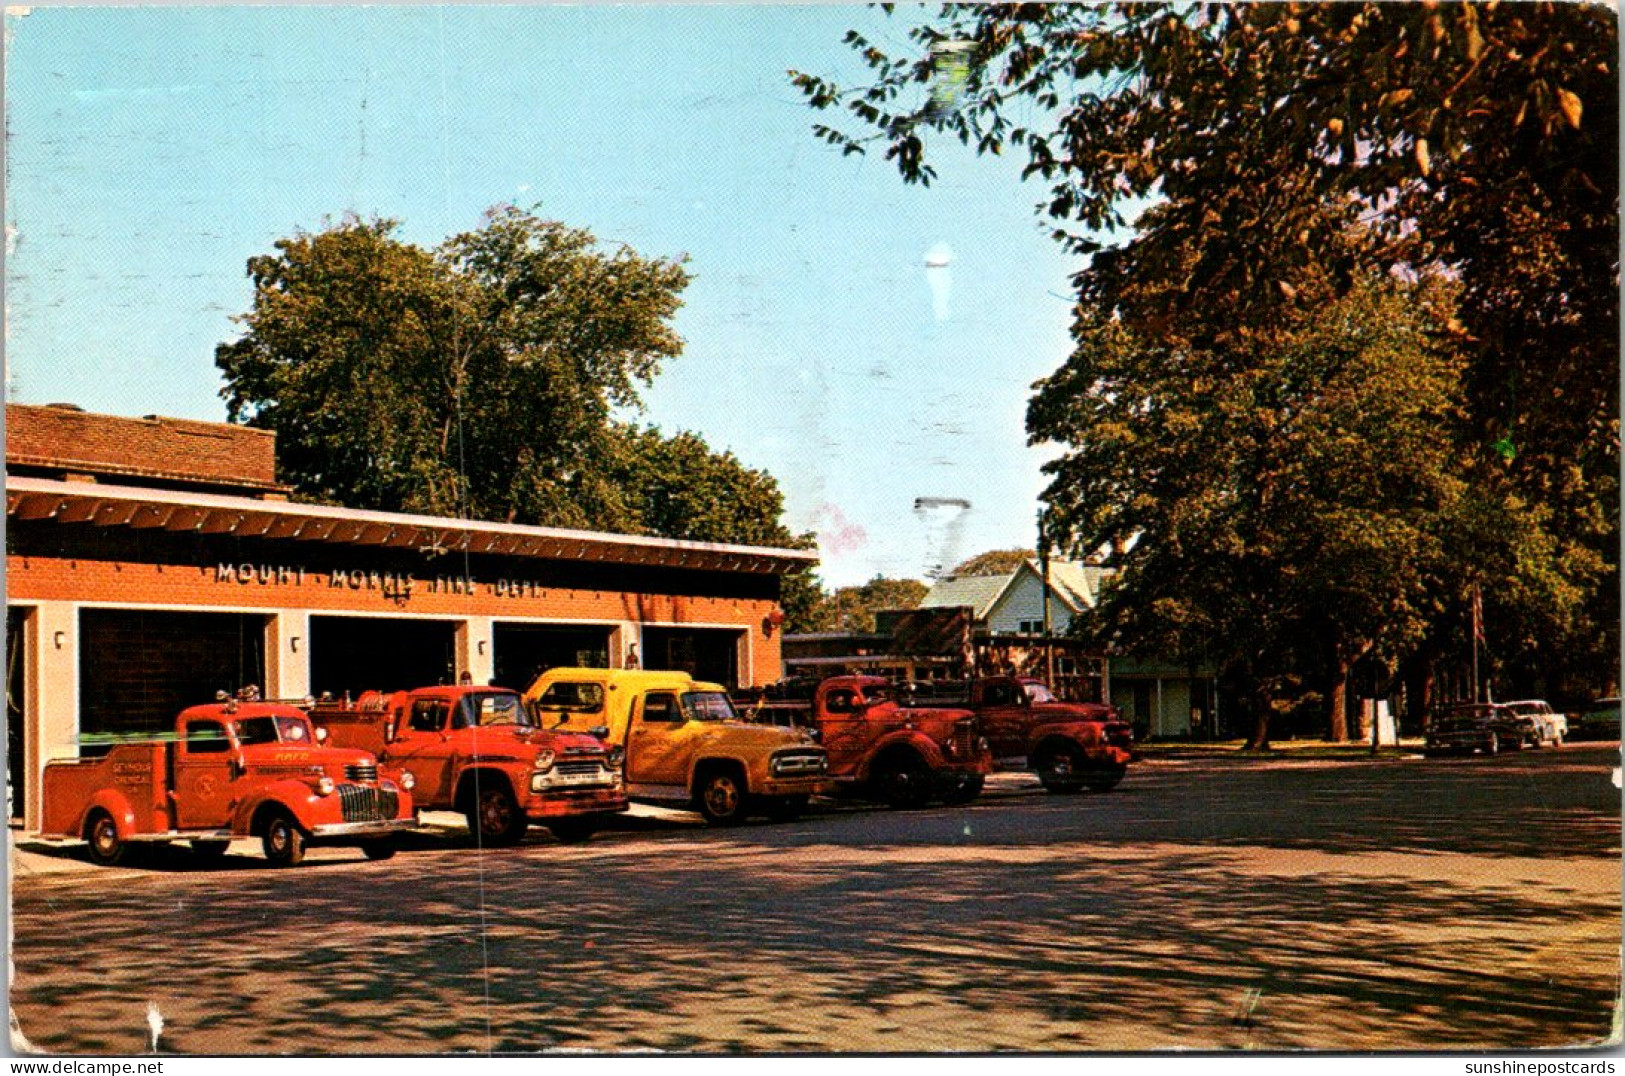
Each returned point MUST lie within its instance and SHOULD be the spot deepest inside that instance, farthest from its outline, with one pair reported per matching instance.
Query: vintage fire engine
(475, 750)
(237, 768)
(1070, 745)
(905, 756)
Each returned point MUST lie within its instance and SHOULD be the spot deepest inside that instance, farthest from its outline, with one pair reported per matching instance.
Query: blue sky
(152, 151)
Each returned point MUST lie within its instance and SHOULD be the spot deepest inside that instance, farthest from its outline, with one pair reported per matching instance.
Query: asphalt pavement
(1208, 904)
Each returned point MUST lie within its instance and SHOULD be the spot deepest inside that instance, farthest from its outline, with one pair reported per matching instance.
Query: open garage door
(139, 668)
(16, 710)
(358, 653)
(523, 651)
(704, 653)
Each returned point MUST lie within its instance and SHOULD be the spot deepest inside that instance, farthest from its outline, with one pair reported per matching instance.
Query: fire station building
(152, 562)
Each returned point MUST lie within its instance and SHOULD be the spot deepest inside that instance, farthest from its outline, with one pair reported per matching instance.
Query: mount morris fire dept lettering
(395, 585)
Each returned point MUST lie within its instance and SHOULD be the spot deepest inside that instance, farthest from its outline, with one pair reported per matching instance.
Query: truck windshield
(708, 706)
(572, 697)
(253, 730)
(498, 708)
(1038, 693)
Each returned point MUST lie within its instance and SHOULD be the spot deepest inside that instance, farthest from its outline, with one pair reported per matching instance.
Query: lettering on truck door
(205, 775)
(657, 751)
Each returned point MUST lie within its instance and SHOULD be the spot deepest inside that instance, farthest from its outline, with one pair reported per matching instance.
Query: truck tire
(964, 789)
(494, 817)
(1060, 770)
(209, 852)
(719, 795)
(380, 850)
(902, 779)
(107, 848)
(1103, 778)
(283, 840)
(573, 830)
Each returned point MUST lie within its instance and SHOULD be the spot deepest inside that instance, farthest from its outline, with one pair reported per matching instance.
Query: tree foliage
(482, 378)
(1249, 182)
(993, 562)
(853, 608)
(475, 378)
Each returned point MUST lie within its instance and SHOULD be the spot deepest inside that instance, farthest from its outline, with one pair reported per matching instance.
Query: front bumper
(794, 786)
(340, 831)
(567, 802)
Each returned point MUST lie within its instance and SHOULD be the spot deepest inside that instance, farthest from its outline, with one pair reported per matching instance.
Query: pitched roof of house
(1075, 585)
(980, 592)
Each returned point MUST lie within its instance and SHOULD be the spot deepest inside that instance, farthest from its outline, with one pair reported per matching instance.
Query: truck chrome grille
(586, 767)
(361, 803)
(361, 773)
(798, 763)
(964, 739)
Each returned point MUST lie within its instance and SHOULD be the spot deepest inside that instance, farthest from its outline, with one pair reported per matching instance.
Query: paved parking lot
(1206, 904)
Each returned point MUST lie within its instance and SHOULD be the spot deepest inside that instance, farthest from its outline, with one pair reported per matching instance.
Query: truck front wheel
(101, 833)
(495, 818)
(903, 780)
(379, 850)
(721, 797)
(1061, 770)
(283, 840)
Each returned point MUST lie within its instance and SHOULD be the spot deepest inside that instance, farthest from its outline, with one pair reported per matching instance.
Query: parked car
(1478, 726)
(1550, 727)
(1598, 721)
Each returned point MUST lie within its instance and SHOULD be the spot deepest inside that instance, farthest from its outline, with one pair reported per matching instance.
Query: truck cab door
(423, 746)
(661, 745)
(1004, 718)
(206, 776)
(842, 730)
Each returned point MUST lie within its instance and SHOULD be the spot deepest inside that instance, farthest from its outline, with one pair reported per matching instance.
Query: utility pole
(1043, 564)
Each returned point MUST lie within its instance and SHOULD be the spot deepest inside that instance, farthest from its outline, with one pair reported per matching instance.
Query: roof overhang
(139, 508)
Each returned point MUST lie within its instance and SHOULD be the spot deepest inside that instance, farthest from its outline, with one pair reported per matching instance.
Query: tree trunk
(1262, 708)
(1337, 729)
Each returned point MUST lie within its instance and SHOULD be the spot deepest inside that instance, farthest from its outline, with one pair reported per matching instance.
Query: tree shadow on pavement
(1162, 916)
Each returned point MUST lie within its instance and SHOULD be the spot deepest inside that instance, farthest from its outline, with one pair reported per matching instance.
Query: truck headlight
(544, 759)
(408, 782)
(325, 786)
(615, 756)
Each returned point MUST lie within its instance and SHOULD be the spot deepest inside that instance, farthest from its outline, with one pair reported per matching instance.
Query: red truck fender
(116, 804)
(912, 738)
(292, 795)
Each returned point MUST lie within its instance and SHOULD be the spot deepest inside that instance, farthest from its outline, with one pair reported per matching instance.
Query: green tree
(1230, 170)
(1288, 500)
(679, 487)
(994, 562)
(853, 608)
(477, 378)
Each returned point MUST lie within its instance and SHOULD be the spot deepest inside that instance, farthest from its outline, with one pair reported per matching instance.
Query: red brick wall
(213, 452)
